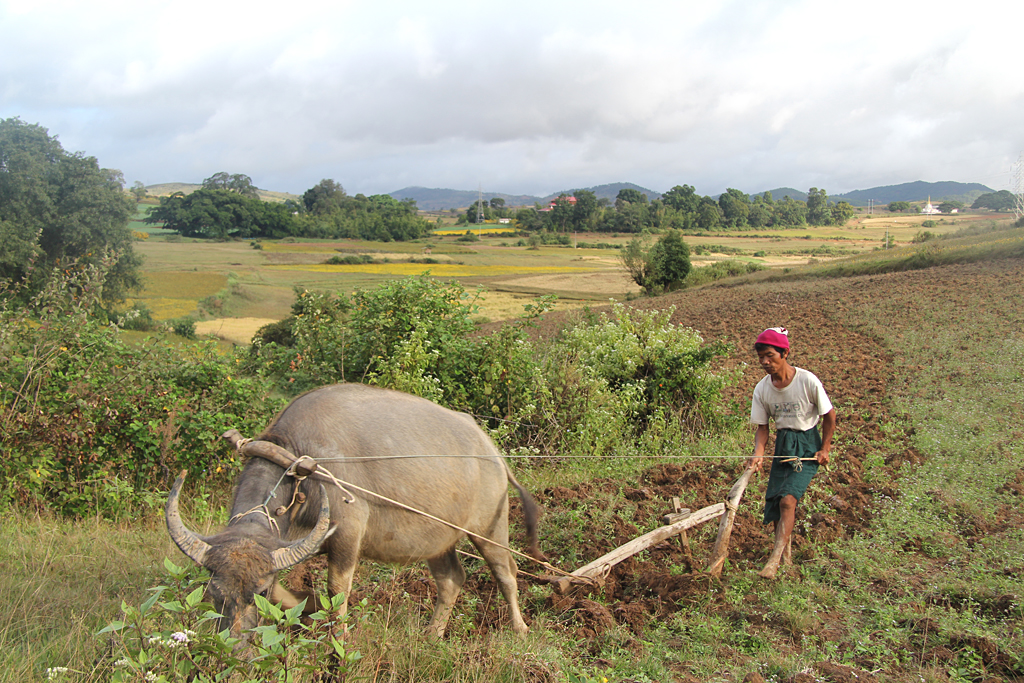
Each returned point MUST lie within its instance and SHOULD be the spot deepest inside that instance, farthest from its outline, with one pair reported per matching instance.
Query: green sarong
(785, 479)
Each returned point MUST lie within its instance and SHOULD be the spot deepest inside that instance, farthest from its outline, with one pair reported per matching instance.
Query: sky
(525, 97)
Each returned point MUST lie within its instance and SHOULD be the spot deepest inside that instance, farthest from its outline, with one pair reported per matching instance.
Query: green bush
(184, 327)
(91, 424)
(350, 260)
(138, 318)
(169, 637)
(719, 270)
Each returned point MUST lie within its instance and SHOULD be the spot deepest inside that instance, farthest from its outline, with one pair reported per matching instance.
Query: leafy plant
(169, 638)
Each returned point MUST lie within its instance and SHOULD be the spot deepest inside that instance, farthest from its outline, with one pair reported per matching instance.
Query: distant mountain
(431, 199)
(608, 191)
(780, 192)
(917, 191)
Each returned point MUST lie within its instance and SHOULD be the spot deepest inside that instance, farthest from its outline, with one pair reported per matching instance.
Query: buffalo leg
(342, 558)
(504, 569)
(449, 576)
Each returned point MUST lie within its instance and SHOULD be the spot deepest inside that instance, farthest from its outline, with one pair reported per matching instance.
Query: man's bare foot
(770, 569)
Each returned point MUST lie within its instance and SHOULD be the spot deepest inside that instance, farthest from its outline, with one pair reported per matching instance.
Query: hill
(167, 189)
(439, 199)
(917, 191)
(780, 192)
(607, 191)
(431, 199)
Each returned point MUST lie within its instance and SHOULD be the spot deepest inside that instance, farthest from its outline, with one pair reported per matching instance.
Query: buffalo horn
(189, 542)
(291, 555)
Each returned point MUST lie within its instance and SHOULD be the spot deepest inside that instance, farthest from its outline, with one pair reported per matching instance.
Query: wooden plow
(676, 523)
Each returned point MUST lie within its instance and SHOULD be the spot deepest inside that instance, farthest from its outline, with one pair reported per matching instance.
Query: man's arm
(828, 428)
(760, 440)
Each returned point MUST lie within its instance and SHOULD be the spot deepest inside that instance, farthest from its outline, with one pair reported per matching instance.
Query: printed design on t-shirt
(786, 409)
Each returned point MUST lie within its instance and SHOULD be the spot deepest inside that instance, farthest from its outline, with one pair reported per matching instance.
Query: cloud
(524, 97)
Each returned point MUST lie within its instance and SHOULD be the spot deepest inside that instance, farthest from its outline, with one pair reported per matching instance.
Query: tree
(222, 214)
(238, 182)
(57, 207)
(818, 212)
(841, 211)
(899, 207)
(139, 191)
(789, 211)
(324, 198)
(631, 196)
(638, 260)
(950, 205)
(1003, 200)
(672, 260)
(661, 266)
(735, 206)
(478, 209)
(586, 211)
(497, 203)
(682, 198)
(760, 212)
(709, 216)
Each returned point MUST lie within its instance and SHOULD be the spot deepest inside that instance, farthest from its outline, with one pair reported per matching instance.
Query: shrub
(184, 327)
(169, 638)
(138, 318)
(90, 424)
(350, 260)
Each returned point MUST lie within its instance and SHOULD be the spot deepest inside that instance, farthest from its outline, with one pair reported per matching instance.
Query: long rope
(342, 482)
(537, 457)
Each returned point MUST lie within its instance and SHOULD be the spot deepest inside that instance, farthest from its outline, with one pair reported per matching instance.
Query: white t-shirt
(796, 407)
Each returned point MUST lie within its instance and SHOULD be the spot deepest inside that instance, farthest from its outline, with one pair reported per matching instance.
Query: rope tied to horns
(304, 466)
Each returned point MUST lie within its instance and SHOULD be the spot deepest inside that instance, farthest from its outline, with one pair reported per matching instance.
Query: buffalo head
(243, 560)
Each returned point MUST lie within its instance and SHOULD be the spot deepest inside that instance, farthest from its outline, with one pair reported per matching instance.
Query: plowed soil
(858, 373)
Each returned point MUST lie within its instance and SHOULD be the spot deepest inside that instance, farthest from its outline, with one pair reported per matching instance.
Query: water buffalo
(363, 435)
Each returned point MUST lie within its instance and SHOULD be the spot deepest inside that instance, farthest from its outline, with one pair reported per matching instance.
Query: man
(797, 401)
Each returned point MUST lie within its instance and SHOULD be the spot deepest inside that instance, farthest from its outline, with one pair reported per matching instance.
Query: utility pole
(1018, 187)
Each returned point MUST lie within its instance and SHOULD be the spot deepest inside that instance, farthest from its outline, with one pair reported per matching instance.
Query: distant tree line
(228, 207)
(681, 208)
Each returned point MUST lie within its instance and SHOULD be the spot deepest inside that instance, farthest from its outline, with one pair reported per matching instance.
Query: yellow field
(507, 230)
(174, 294)
(236, 330)
(184, 284)
(435, 269)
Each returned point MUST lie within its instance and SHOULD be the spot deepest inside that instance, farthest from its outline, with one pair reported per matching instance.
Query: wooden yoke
(271, 452)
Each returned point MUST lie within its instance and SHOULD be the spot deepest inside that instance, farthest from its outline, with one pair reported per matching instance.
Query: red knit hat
(774, 336)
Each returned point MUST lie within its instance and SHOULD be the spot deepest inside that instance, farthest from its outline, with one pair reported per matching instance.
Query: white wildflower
(178, 639)
(54, 672)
